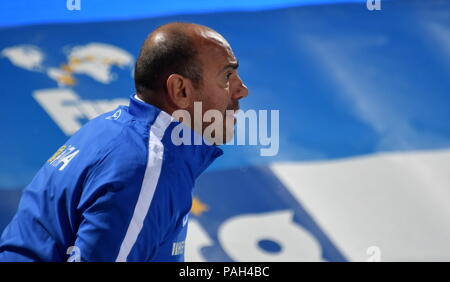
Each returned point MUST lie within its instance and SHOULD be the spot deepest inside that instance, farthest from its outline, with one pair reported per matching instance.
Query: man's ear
(179, 90)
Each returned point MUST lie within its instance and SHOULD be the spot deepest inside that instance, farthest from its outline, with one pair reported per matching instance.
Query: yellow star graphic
(198, 207)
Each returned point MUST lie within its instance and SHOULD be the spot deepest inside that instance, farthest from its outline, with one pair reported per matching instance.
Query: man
(120, 189)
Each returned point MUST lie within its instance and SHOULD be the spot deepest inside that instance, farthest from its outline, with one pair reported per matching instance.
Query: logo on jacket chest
(177, 248)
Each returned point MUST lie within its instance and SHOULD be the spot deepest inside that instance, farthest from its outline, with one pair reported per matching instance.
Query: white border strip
(151, 177)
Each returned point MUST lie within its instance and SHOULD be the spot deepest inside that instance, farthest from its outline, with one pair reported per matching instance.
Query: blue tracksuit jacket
(118, 190)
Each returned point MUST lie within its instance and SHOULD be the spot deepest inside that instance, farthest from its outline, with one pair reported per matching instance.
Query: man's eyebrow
(230, 66)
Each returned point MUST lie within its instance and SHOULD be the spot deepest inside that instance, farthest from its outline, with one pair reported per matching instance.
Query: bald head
(181, 65)
(173, 48)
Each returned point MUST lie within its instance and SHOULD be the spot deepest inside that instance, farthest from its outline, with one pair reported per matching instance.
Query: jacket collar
(143, 111)
(198, 157)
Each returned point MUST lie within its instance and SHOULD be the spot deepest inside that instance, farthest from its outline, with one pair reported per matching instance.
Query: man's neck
(156, 102)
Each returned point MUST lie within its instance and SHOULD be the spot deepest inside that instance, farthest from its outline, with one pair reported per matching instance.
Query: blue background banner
(348, 82)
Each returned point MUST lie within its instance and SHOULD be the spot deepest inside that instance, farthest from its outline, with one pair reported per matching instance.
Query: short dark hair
(156, 62)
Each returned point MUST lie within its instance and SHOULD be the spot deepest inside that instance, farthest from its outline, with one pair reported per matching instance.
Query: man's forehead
(218, 58)
(214, 42)
(214, 37)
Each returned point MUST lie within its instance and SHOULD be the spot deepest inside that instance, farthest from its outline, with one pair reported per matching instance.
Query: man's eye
(228, 76)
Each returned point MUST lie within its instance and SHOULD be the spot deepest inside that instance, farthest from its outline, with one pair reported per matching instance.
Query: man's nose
(241, 91)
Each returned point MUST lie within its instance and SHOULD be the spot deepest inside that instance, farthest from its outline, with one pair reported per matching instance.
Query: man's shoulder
(115, 134)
